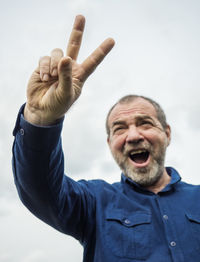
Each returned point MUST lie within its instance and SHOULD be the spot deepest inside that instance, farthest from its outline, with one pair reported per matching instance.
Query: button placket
(165, 217)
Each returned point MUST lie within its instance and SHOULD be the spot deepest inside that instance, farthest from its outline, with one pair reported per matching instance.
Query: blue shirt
(114, 222)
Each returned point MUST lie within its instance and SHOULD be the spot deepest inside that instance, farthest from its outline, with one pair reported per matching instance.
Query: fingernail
(45, 77)
(54, 72)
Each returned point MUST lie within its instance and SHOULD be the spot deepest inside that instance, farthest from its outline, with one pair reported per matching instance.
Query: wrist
(35, 117)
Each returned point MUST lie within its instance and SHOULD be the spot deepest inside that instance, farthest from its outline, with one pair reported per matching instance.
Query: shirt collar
(175, 178)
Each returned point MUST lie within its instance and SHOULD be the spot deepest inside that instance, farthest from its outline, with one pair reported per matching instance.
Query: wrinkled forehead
(137, 107)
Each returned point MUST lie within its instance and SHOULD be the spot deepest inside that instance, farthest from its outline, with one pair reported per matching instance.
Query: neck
(162, 182)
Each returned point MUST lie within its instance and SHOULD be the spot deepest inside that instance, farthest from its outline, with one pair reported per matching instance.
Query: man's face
(138, 141)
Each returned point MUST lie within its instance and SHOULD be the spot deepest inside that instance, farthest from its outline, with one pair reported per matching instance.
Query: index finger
(75, 39)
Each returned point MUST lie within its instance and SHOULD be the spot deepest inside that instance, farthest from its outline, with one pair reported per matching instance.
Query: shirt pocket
(128, 235)
(194, 223)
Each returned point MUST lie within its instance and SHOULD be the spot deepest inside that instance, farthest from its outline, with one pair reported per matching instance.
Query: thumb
(65, 75)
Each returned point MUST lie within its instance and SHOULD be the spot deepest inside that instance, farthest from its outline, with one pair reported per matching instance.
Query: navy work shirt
(114, 222)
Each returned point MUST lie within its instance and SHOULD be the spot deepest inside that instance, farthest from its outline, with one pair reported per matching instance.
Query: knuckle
(56, 56)
(44, 68)
(57, 52)
(44, 59)
(66, 77)
(44, 64)
(54, 64)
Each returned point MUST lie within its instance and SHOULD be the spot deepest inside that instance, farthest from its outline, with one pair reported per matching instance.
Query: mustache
(128, 148)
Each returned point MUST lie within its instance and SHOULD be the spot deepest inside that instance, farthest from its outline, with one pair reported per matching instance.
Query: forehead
(137, 107)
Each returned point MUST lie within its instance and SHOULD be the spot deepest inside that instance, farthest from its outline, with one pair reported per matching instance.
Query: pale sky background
(156, 54)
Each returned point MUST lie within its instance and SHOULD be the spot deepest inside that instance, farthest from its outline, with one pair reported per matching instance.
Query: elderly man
(150, 215)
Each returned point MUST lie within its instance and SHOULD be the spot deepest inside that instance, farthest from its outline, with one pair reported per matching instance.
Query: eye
(118, 129)
(146, 123)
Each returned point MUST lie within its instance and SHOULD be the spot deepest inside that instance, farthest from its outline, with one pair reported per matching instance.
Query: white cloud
(36, 256)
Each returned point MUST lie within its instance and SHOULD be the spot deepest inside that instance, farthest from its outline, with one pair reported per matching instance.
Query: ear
(168, 134)
(108, 140)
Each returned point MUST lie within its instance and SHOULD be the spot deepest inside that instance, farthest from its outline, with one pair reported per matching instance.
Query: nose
(134, 135)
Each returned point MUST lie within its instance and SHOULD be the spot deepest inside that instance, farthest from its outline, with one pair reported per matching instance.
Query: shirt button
(21, 131)
(127, 221)
(165, 217)
(173, 244)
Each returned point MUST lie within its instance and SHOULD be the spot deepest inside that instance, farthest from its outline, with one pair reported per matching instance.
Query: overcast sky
(156, 54)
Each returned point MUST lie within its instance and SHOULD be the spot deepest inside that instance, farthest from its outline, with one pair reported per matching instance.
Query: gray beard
(146, 176)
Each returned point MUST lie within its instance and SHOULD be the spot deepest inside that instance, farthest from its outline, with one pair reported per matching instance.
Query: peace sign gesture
(58, 80)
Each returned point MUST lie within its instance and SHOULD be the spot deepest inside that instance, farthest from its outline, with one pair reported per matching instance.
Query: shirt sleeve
(38, 167)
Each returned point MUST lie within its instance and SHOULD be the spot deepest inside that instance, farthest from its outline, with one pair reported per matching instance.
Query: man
(149, 216)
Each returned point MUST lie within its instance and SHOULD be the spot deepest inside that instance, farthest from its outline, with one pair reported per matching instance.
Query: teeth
(139, 151)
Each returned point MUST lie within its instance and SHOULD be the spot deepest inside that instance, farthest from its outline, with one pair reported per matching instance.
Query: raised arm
(38, 160)
(58, 80)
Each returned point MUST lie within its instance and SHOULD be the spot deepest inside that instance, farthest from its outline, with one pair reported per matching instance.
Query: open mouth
(139, 156)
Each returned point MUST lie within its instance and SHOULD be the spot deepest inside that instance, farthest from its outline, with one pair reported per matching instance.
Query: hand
(57, 82)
